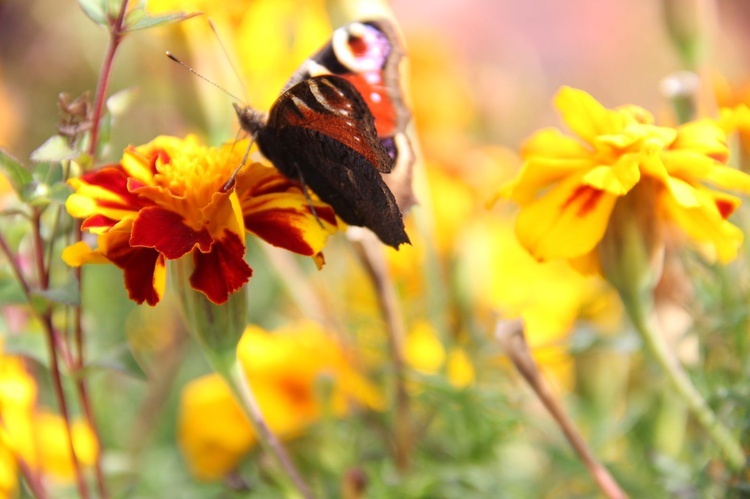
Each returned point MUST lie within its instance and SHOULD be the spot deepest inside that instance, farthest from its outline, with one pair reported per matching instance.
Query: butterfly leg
(230, 183)
(307, 195)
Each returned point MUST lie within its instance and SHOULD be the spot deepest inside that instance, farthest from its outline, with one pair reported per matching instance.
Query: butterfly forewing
(331, 106)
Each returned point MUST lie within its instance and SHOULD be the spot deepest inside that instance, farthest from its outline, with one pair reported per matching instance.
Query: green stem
(654, 341)
(233, 374)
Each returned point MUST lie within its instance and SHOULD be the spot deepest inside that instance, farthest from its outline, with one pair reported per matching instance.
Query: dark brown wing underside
(321, 132)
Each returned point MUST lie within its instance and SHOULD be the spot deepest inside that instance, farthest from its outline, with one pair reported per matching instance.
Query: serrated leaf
(149, 21)
(15, 171)
(121, 360)
(96, 10)
(54, 149)
(68, 294)
(120, 101)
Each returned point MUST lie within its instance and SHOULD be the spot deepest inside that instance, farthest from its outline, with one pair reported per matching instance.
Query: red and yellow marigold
(172, 198)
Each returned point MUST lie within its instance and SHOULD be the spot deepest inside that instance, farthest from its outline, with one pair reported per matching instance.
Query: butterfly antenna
(229, 59)
(175, 59)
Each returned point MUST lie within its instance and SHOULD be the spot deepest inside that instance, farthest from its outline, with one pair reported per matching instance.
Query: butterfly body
(327, 131)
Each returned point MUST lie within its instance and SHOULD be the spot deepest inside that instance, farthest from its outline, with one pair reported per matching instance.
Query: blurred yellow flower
(502, 278)
(285, 369)
(36, 437)
(568, 187)
(267, 39)
(54, 450)
(424, 352)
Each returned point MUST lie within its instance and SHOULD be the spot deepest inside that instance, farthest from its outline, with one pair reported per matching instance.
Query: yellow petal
(617, 179)
(585, 116)
(566, 222)
(423, 350)
(702, 137)
(702, 221)
(460, 370)
(54, 449)
(79, 253)
(213, 432)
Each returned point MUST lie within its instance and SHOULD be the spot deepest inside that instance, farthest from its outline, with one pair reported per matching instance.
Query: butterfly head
(250, 120)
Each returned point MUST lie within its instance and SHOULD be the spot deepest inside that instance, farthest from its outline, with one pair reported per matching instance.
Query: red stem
(116, 36)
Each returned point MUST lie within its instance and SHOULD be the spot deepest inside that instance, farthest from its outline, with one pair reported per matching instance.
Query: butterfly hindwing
(321, 132)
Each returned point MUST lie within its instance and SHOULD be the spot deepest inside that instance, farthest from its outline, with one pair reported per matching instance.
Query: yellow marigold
(568, 186)
(284, 369)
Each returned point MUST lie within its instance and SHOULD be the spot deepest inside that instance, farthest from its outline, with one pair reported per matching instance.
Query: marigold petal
(729, 178)
(552, 143)
(286, 224)
(103, 192)
(79, 253)
(617, 179)
(277, 210)
(144, 268)
(704, 223)
(585, 116)
(703, 137)
(567, 222)
(166, 232)
(221, 271)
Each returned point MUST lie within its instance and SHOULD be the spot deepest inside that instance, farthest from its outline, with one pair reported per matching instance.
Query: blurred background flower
(299, 374)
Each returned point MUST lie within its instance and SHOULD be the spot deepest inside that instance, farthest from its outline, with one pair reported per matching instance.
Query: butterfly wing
(321, 132)
(369, 55)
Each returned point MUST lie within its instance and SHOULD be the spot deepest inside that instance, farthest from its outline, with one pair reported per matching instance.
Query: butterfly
(340, 123)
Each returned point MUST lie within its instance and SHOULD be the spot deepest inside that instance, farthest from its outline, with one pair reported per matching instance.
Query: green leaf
(120, 101)
(59, 193)
(55, 149)
(69, 294)
(96, 10)
(32, 345)
(144, 20)
(16, 172)
(11, 291)
(121, 360)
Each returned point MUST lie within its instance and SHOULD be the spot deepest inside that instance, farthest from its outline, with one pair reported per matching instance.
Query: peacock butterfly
(340, 123)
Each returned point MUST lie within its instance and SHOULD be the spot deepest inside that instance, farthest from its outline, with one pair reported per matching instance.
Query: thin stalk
(511, 337)
(681, 384)
(116, 37)
(60, 394)
(371, 254)
(235, 377)
(46, 319)
(116, 34)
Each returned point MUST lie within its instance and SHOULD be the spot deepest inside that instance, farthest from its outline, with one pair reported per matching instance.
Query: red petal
(139, 266)
(221, 271)
(97, 221)
(285, 227)
(114, 179)
(166, 231)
